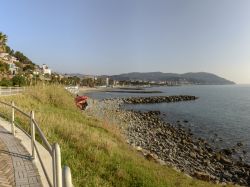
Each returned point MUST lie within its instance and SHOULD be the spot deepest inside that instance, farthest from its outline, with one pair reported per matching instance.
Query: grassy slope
(95, 151)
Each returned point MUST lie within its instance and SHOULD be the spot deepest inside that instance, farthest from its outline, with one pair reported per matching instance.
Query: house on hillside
(46, 69)
(13, 59)
(10, 60)
(4, 56)
(8, 57)
(12, 67)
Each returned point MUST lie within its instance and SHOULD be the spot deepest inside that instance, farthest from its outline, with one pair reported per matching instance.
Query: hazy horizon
(113, 37)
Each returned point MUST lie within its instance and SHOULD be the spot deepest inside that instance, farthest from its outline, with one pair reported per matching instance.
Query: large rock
(202, 176)
(225, 160)
(227, 151)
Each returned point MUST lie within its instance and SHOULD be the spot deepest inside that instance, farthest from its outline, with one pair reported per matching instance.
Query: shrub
(18, 80)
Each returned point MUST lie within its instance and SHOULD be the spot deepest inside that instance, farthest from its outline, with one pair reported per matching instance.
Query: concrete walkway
(16, 166)
(6, 167)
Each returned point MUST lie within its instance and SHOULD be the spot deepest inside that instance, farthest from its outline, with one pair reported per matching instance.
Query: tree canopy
(9, 50)
(22, 58)
(18, 80)
(3, 40)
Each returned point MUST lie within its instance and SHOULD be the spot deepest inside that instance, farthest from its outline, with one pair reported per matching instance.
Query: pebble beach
(170, 145)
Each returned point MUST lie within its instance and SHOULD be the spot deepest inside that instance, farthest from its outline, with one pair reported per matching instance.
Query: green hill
(196, 78)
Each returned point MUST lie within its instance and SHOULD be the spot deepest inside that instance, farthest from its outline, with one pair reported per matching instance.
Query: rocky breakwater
(177, 147)
(158, 99)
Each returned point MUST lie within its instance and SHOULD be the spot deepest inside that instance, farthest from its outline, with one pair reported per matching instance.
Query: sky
(120, 36)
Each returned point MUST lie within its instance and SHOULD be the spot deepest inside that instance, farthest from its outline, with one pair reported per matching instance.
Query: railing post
(33, 134)
(13, 118)
(54, 164)
(58, 166)
(67, 180)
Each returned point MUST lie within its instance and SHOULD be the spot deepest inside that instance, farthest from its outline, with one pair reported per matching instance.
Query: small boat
(81, 102)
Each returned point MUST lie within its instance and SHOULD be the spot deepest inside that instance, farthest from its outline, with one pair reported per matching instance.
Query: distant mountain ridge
(195, 78)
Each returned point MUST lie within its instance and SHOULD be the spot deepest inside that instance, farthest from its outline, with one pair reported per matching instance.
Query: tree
(18, 64)
(100, 81)
(18, 80)
(74, 80)
(22, 58)
(29, 67)
(9, 50)
(87, 82)
(3, 41)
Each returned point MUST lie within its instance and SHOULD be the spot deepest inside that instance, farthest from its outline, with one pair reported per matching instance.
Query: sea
(221, 115)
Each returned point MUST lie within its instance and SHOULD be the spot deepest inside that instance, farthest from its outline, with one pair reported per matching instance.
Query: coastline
(85, 89)
(166, 144)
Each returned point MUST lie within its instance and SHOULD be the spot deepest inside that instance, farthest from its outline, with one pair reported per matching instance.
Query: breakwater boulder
(158, 99)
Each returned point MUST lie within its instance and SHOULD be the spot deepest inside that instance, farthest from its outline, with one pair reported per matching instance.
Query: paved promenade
(16, 166)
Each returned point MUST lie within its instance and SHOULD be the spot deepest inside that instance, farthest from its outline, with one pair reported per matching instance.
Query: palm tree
(3, 40)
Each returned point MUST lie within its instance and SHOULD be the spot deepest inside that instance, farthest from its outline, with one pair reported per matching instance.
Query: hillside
(195, 78)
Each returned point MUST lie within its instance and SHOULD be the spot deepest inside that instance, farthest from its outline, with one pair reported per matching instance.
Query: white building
(12, 67)
(4, 56)
(13, 59)
(107, 82)
(7, 57)
(46, 69)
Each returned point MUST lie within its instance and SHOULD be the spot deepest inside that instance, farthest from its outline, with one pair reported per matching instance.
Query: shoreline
(85, 89)
(131, 91)
(170, 145)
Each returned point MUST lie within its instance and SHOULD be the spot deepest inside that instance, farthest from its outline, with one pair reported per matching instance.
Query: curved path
(16, 166)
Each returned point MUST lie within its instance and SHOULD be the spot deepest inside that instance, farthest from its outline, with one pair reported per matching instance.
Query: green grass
(94, 150)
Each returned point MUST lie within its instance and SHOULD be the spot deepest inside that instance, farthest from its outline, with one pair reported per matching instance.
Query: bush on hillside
(5, 82)
(4, 67)
(18, 81)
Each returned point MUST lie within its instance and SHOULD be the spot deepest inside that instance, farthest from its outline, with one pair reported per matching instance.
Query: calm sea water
(221, 115)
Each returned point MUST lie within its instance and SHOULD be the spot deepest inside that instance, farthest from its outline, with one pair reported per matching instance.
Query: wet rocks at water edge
(176, 147)
(173, 145)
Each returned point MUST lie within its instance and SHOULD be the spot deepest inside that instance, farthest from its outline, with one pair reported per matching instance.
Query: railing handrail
(5, 91)
(60, 178)
(22, 112)
(1, 87)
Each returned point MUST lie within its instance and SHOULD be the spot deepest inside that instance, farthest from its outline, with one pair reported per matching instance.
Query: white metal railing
(11, 90)
(61, 178)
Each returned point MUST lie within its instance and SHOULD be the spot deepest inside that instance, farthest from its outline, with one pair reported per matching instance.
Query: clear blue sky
(117, 36)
